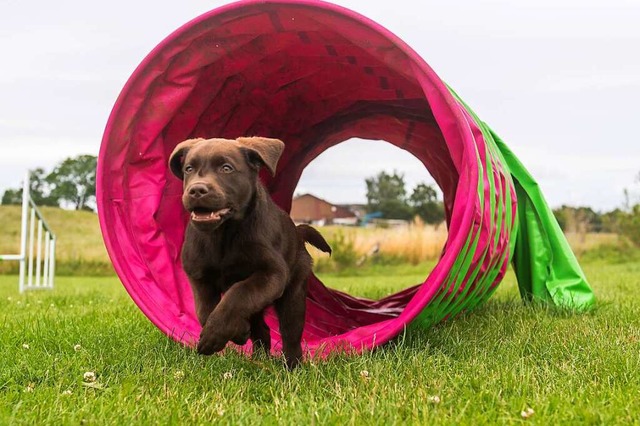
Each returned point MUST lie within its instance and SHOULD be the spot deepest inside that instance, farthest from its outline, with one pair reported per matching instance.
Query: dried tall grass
(418, 242)
(581, 242)
(80, 243)
(414, 243)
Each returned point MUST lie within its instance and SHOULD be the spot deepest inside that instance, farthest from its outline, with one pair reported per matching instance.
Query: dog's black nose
(198, 190)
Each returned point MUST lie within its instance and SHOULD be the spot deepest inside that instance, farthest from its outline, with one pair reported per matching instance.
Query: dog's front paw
(210, 342)
(218, 331)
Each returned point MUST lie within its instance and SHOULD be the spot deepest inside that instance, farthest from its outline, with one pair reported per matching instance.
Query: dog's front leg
(206, 297)
(231, 319)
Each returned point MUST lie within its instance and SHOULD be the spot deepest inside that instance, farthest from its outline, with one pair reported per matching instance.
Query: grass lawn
(485, 367)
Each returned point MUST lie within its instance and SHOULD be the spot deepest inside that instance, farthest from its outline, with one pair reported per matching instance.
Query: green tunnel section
(544, 264)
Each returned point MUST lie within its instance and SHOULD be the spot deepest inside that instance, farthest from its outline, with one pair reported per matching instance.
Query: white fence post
(23, 230)
(52, 260)
(27, 233)
(32, 228)
(38, 254)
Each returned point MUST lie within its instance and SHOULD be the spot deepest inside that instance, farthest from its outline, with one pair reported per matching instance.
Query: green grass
(486, 367)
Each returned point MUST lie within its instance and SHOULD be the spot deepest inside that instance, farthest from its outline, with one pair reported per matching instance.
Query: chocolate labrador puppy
(241, 252)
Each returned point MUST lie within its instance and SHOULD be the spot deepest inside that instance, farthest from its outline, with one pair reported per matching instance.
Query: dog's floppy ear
(263, 151)
(177, 156)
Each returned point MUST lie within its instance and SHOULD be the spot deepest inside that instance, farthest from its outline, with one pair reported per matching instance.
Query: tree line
(71, 183)
(387, 194)
(582, 220)
(623, 221)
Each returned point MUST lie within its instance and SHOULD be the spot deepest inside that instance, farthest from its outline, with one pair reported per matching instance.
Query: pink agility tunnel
(313, 75)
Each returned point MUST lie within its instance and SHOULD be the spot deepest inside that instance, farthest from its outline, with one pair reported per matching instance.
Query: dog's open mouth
(204, 215)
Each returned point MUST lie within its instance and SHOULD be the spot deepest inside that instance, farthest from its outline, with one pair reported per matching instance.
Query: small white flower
(434, 399)
(71, 306)
(30, 387)
(228, 375)
(364, 374)
(89, 376)
(527, 413)
(178, 375)
(67, 392)
(25, 346)
(9, 298)
(77, 348)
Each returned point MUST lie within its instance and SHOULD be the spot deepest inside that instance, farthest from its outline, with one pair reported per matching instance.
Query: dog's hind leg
(260, 334)
(291, 309)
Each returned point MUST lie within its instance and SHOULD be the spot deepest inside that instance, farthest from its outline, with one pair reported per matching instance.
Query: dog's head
(220, 175)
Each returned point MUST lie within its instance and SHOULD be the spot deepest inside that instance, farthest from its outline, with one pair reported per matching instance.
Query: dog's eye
(188, 169)
(226, 168)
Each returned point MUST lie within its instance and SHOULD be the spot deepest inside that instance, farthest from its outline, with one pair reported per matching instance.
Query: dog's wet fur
(241, 252)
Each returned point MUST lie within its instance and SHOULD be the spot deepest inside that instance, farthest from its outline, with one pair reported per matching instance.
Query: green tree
(424, 201)
(386, 193)
(578, 219)
(12, 196)
(611, 221)
(629, 219)
(74, 181)
(39, 189)
(630, 224)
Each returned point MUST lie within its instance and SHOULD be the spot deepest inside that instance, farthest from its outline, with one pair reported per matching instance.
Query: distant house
(360, 210)
(308, 208)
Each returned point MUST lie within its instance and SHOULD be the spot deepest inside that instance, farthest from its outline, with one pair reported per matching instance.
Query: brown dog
(238, 242)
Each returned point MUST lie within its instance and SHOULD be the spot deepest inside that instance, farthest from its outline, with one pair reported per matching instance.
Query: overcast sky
(558, 80)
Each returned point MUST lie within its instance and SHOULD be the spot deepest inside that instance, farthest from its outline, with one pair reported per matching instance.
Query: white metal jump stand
(44, 241)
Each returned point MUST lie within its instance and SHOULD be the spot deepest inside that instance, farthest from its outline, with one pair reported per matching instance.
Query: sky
(558, 80)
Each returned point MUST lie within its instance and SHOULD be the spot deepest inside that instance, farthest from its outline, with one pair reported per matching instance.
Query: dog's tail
(313, 237)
